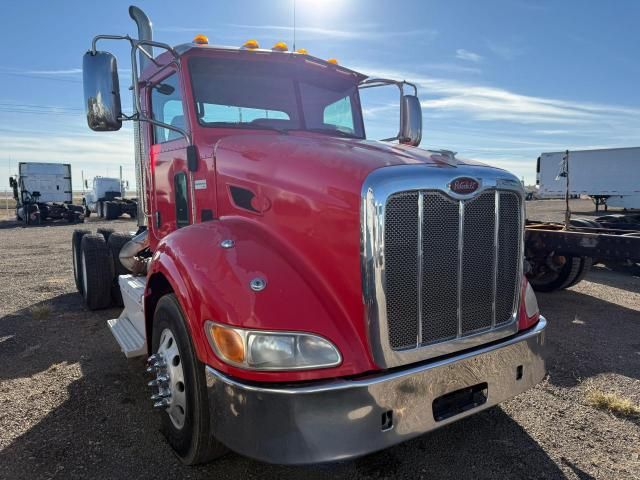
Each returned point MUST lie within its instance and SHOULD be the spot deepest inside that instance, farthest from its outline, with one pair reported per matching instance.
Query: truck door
(169, 206)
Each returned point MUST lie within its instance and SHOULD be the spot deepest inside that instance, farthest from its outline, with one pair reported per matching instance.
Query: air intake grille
(451, 266)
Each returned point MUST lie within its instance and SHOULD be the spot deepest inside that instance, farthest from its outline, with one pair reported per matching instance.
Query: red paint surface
(304, 239)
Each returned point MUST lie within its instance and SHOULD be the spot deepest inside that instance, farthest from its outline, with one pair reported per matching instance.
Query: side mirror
(410, 121)
(12, 182)
(86, 184)
(101, 92)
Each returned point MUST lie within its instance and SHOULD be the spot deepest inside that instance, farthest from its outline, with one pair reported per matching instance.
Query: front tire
(185, 417)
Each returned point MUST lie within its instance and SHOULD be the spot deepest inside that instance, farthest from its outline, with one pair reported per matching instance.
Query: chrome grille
(451, 266)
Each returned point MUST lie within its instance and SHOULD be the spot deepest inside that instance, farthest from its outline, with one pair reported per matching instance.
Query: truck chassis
(559, 257)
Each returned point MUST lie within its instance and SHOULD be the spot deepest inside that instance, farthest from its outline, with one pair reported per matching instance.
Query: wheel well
(157, 286)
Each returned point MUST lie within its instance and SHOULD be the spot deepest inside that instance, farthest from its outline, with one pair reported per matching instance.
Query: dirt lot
(71, 405)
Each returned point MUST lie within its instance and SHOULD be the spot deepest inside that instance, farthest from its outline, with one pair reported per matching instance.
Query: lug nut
(160, 380)
(160, 396)
(164, 403)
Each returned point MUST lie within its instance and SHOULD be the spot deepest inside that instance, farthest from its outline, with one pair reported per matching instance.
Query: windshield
(283, 95)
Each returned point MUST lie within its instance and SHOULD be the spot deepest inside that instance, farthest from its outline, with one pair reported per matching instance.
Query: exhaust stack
(145, 32)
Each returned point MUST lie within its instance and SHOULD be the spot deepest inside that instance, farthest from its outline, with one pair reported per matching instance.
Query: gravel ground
(71, 405)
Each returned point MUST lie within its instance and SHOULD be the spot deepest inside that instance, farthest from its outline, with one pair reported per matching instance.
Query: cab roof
(189, 47)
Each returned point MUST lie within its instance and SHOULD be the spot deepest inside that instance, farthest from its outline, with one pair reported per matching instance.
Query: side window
(339, 115)
(182, 204)
(166, 107)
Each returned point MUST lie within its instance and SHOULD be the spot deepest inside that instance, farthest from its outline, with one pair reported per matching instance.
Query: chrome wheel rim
(172, 386)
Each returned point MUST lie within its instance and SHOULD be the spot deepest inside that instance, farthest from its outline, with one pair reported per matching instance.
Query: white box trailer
(51, 180)
(43, 192)
(609, 176)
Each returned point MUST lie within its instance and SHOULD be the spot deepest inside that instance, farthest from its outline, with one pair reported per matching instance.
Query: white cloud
(463, 54)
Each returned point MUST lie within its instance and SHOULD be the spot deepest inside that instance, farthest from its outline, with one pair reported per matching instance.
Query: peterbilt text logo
(464, 185)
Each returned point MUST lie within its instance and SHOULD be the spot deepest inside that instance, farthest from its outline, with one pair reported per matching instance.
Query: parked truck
(304, 294)
(611, 177)
(42, 191)
(107, 199)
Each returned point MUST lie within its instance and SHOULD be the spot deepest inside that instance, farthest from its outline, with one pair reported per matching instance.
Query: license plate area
(455, 403)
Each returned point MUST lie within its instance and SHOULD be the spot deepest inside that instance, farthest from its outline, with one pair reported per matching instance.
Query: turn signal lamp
(302, 51)
(201, 40)
(251, 44)
(229, 343)
(280, 47)
(333, 60)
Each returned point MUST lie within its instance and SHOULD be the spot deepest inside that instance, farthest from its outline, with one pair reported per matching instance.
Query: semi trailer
(107, 199)
(560, 255)
(611, 177)
(302, 293)
(42, 192)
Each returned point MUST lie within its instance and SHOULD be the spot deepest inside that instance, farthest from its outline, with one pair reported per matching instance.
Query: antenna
(294, 25)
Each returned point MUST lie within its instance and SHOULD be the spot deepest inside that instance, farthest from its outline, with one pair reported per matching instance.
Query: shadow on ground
(587, 336)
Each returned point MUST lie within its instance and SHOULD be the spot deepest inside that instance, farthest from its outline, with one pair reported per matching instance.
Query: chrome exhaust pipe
(128, 254)
(145, 32)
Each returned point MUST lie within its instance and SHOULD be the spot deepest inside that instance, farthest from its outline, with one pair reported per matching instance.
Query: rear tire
(188, 434)
(96, 272)
(76, 253)
(105, 232)
(557, 280)
(585, 268)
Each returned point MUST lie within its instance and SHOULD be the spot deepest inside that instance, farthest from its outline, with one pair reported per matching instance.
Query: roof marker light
(200, 39)
(302, 51)
(333, 60)
(251, 44)
(280, 47)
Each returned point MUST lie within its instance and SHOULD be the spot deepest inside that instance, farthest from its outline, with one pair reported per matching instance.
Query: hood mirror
(410, 121)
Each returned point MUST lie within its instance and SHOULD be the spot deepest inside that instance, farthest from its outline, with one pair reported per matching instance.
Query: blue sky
(500, 81)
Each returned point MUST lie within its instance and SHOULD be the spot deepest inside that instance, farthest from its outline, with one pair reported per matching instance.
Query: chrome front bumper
(339, 419)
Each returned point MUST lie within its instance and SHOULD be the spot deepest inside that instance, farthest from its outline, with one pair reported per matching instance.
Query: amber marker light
(228, 343)
(280, 47)
(251, 44)
(333, 60)
(201, 40)
(302, 51)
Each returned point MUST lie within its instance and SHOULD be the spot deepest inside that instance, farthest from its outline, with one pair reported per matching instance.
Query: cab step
(129, 328)
(131, 342)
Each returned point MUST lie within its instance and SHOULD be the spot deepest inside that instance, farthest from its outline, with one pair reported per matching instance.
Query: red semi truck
(303, 294)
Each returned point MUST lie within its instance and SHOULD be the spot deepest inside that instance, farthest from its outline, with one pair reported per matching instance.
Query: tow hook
(157, 365)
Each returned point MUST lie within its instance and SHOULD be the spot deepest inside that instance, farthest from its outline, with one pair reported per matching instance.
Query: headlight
(260, 350)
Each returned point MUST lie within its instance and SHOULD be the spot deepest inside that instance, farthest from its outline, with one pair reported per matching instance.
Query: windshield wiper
(248, 126)
(328, 131)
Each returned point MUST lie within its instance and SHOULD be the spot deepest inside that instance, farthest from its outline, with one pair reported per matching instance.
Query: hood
(301, 193)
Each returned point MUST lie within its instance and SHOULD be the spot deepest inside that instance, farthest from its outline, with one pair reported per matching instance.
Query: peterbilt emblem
(464, 185)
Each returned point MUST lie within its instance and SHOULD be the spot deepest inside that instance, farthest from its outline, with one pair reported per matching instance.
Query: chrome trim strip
(420, 266)
(460, 251)
(496, 250)
(376, 189)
